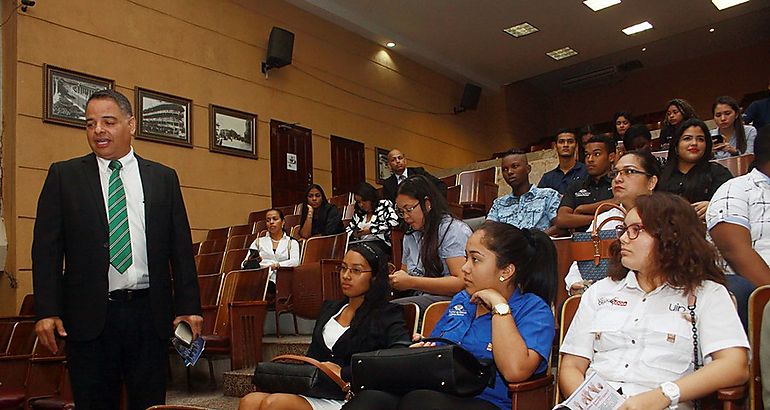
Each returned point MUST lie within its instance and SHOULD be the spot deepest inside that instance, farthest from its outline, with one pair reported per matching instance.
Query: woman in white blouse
(635, 328)
(277, 248)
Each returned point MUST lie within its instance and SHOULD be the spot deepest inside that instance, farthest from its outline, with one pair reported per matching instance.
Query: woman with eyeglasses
(637, 328)
(737, 138)
(434, 250)
(503, 314)
(373, 218)
(635, 174)
(363, 321)
(689, 171)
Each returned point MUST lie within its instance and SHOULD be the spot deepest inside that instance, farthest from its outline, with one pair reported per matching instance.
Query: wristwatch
(671, 391)
(501, 309)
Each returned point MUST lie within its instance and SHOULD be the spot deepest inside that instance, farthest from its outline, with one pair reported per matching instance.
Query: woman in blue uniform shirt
(502, 314)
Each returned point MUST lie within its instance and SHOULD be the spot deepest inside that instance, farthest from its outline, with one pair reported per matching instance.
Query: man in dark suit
(115, 224)
(397, 163)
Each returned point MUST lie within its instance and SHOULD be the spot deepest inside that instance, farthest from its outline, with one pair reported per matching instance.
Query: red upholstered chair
(28, 376)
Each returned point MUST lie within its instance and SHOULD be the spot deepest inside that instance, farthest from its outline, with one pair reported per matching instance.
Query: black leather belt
(125, 295)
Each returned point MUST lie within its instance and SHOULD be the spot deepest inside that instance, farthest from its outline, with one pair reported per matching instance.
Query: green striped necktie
(120, 238)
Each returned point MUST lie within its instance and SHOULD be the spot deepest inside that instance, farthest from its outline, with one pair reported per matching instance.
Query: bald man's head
(396, 161)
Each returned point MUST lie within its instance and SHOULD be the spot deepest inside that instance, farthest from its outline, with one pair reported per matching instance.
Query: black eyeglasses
(633, 230)
(626, 172)
(407, 209)
(352, 271)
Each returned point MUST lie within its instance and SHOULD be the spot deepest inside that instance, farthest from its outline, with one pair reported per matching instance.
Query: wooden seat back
(196, 248)
(348, 211)
(22, 340)
(431, 316)
(238, 285)
(564, 259)
(27, 307)
(237, 242)
(287, 210)
(450, 180)
(256, 216)
(568, 311)
(208, 286)
(324, 247)
(291, 221)
(218, 233)
(738, 165)
(213, 246)
(259, 226)
(453, 194)
(240, 229)
(411, 316)
(757, 302)
(341, 201)
(233, 259)
(312, 283)
(471, 184)
(396, 247)
(209, 263)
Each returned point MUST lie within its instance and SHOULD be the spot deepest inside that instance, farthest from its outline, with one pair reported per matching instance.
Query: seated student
(677, 110)
(397, 163)
(510, 277)
(738, 224)
(363, 321)
(639, 138)
(736, 138)
(688, 171)
(319, 217)
(584, 135)
(434, 251)
(275, 249)
(622, 121)
(579, 203)
(373, 218)
(527, 206)
(633, 328)
(758, 112)
(569, 169)
(636, 173)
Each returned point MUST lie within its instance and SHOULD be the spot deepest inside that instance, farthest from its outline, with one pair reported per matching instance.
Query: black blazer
(71, 235)
(372, 333)
(390, 185)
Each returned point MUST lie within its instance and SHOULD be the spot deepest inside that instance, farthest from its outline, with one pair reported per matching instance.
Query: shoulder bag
(309, 377)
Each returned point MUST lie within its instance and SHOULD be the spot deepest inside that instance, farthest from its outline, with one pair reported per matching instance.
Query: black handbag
(450, 369)
(309, 377)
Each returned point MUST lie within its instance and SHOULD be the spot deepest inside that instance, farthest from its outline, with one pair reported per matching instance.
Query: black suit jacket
(390, 185)
(385, 330)
(71, 235)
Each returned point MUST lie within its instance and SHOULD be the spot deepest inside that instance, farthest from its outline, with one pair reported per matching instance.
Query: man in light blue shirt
(527, 206)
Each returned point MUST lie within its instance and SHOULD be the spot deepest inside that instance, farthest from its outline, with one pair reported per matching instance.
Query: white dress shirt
(137, 276)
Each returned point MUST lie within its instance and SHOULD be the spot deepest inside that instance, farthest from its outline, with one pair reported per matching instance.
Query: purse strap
(691, 303)
(595, 228)
(345, 386)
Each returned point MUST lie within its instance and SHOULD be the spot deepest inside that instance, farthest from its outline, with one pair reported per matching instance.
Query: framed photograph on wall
(232, 132)
(66, 92)
(163, 118)
(382, 169)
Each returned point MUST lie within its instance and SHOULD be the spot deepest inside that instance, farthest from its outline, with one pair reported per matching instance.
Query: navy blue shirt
(559, 181)
(533, 319)
(758, 113)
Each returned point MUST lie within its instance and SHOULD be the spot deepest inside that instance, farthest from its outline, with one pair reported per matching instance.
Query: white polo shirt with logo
(637, 340)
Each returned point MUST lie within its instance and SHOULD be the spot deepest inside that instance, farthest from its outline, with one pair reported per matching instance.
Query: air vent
(596, 77)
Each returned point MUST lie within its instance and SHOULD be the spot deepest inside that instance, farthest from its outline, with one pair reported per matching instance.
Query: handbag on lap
(449, 369)
(591, 250)
(299, 375)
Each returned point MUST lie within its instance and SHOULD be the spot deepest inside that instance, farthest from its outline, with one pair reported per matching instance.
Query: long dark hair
(683, 106)
(530, 251)
(699, 175)
(648, 162)
(625, 114)
(324, 201)
(367, 193)
(379, 289)
(740, 133)
(682, 256)
(421, 189)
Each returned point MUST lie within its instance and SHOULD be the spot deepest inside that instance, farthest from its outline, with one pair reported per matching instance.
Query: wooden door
(347, 165)
(291, 162)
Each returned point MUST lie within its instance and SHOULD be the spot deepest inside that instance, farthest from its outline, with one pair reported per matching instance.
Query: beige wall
(210, 52)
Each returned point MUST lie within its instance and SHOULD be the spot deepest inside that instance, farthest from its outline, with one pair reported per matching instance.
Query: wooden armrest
(530, 384)
(732, 393)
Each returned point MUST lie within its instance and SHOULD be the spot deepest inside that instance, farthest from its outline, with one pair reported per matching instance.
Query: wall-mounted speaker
(470, 100)
(280, 47)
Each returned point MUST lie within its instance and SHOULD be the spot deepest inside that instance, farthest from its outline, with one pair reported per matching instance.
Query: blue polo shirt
(534, 321)
(558, 180)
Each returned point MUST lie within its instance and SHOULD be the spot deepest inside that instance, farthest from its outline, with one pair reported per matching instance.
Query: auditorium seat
(232, 260)
(738, 165)
(563, 262)
(28, 376)
(240, 230)
(312, 283)
(397, 247)
(237, 242)
(209, 263)
(196, 248)
(213, 246)
(411, 316)
(287, 210)
(218, 233)
(291, 221)
(22, 339)
(257, 216)
(341, 201)
(260, 226)
(431, 316)
(450, 180)
(62, 399)
(478, 190)
(453, 200)
(324, 247)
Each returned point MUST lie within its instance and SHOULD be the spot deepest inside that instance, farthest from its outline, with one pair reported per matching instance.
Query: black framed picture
(232, 132)
(163, 118)
(382, 169)
(66, 92)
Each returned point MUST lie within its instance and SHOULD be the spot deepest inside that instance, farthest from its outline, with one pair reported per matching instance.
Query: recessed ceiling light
(521, 30)
(723, 4)
(390, 44)
(597, 5)
(711, 30)
(561, 53)
(637, 28)
(644, 49)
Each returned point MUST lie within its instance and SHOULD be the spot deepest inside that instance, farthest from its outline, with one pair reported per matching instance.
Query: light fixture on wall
(390, 44)
(25, 4)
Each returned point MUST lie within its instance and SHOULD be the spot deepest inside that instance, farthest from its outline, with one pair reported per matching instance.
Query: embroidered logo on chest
(457, 310)
(582, 193)
(613, 301)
